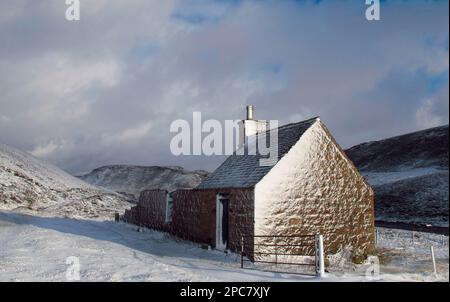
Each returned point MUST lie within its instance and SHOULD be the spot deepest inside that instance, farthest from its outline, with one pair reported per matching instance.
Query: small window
(169, 208)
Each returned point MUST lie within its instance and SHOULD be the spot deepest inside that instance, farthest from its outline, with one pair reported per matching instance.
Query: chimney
(250, 112)
(251, 126)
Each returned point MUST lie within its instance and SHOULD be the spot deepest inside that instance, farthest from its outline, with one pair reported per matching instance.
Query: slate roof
(243, 171)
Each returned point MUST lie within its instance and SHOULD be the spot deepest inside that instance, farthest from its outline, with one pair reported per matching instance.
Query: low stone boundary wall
(150, 211)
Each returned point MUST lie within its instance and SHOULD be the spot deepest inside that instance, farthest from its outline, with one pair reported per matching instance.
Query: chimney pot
(250, 112)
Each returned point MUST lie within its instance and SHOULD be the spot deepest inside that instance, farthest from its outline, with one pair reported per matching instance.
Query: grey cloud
(105, 90)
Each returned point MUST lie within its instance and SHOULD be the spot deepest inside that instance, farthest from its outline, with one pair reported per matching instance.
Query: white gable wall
(315, 189)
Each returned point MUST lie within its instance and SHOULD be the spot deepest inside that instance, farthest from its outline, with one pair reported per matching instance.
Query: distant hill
(132, 180)
(30, 184)
(409, 174)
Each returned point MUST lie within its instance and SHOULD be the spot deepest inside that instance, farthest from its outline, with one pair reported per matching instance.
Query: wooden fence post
(433, 260)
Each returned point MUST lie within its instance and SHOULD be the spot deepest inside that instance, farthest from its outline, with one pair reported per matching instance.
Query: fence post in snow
(412, 237)
(320, 261)
(433, 259)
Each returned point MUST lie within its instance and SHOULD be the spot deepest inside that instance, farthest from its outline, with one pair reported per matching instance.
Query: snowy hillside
(29, 184)
(135, 179)
(409, 174)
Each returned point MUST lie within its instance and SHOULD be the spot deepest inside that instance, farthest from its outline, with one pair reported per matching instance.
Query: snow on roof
(243, 171)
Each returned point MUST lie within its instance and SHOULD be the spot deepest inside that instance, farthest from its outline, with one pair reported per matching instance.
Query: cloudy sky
(105, 89)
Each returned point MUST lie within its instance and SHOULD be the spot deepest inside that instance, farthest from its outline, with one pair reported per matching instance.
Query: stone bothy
(313, 188)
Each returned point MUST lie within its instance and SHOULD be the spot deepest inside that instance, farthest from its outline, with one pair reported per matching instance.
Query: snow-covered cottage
(313, 188)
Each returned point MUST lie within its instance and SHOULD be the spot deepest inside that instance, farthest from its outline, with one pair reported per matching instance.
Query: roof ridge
(284, 127)
(296, 123)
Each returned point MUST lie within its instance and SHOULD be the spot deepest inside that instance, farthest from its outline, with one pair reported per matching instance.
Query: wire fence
(396, 237)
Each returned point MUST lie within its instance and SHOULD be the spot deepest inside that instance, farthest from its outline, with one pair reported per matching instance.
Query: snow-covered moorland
(409, 174)
(30, 185)
(36, 249)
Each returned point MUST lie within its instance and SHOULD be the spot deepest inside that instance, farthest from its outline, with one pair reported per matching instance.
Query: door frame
(220, 245)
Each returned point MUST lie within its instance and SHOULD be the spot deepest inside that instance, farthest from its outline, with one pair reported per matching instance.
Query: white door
(221, 223)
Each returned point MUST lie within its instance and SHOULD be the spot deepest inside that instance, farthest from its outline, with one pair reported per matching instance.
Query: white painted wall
(314, 186)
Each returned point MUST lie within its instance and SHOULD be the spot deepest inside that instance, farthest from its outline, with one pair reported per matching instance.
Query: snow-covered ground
(36, 248)
(38, 170)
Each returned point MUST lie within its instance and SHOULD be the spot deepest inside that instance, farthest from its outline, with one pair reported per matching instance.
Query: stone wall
(152, 205)
(150, 211)
(131, 216)
(241, 219)
(194, 215)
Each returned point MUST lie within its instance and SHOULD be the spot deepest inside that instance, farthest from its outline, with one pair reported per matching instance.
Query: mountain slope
(134, 179)
(422, 149)
(409, 174)
(29, 184)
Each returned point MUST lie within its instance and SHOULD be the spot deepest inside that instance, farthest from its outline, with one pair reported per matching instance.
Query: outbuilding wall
(194, 214)
(150, 211)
